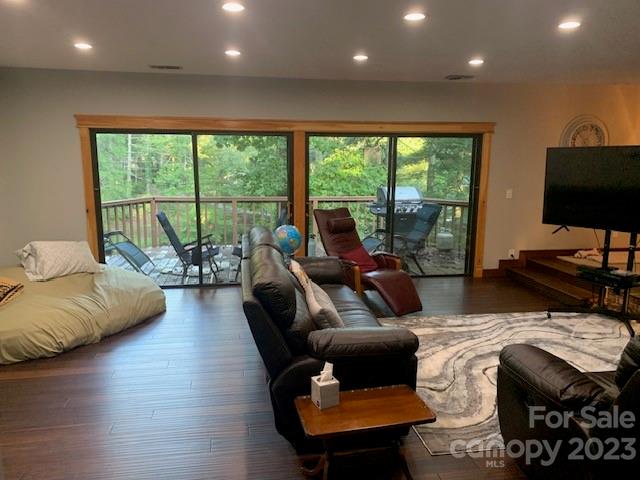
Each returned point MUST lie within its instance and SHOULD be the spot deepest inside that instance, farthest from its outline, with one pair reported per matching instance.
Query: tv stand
(605, 277)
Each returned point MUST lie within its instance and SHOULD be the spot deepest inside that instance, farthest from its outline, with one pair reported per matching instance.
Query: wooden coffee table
(366, 411)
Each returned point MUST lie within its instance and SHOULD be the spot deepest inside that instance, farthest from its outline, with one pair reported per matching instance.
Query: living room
(183, 395)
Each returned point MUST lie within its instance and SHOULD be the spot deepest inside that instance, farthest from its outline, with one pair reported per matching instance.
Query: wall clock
(585, 131)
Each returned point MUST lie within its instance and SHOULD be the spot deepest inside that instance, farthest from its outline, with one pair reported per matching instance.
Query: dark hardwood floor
(183, 396)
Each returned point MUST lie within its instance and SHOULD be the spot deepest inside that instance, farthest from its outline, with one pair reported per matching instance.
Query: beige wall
(41, 192)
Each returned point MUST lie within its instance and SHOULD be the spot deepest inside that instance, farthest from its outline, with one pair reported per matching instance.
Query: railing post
(154, 224)
(234, 220)
(314, 206)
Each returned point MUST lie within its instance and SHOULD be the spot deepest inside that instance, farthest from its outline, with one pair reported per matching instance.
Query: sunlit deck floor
(168, 268)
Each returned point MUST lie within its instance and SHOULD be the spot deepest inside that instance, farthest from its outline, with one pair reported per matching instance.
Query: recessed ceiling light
(233, 7)
(360, 57)
(476, 62)
(414, 16)
(232, 53)
(83, 46)
(570, 25)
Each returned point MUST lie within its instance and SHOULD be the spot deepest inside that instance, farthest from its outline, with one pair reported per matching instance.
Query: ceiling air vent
(165, 67)
(459, 77)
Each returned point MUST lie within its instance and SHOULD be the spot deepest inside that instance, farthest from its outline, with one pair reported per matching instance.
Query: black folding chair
(407, 245)
(117, 241)
(188, 253)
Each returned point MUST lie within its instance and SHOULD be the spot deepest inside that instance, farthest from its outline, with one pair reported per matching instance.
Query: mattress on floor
(55, 316)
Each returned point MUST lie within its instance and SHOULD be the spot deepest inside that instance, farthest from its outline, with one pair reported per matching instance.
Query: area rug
(458, 361)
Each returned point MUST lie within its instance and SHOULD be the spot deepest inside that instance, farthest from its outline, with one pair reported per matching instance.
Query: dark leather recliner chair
(380, 271)
(531, 377)
(364, 353)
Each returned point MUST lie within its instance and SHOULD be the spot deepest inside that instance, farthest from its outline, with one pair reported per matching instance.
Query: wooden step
(550, 285)
(559, 268)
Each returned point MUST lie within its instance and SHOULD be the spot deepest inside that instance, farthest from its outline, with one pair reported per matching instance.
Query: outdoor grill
(408, 202)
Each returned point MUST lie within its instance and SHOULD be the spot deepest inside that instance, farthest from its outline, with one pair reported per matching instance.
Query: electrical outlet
(509, 193)
(512, 253)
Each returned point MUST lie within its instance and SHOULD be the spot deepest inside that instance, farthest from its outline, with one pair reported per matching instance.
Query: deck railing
(227, 218)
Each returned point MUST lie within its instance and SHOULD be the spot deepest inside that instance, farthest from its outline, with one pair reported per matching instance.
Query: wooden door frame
(299, 129)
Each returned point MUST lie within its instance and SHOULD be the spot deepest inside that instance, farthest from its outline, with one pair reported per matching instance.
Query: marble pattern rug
(458, 361)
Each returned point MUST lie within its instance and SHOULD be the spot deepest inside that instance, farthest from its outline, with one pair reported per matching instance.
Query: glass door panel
(433, 194)
(347, 171)
(243, 182)
(147, 204)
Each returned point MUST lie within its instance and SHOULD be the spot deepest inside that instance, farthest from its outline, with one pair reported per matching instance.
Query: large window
(431, 195)
(158, 194)
(346, 171)
(435, 238)
(215, 178)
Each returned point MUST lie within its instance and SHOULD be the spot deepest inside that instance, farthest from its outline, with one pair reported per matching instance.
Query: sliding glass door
(141, 177)
(173, 206)
(346, 171)
(410, 195)
(243, 182)
(433, 204)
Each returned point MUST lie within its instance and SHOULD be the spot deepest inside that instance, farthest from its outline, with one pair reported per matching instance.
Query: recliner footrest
(396, 288)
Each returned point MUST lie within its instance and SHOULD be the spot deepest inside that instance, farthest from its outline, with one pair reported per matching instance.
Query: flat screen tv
(593, 187)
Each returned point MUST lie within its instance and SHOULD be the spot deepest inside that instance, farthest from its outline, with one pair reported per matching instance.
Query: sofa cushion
(260, 236)
(629, 362)
(297, 333)
(350, 307)
(272, 286)
(607, 381)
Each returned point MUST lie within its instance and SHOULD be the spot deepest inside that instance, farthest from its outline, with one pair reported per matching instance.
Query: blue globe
(288, 238)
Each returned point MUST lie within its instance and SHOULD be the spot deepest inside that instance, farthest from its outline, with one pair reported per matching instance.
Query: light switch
(509, 193)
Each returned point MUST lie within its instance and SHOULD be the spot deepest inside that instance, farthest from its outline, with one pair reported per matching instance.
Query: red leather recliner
(380, 271)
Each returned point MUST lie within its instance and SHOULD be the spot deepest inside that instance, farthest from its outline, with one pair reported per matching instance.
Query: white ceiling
(519, 39)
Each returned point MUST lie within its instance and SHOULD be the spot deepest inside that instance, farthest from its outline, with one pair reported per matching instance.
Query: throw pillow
(299, 273)
(323, 311)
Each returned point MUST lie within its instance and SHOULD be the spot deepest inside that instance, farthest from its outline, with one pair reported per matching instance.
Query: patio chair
(117, 241)
(407, 245)
(380, 271)
(188, 252)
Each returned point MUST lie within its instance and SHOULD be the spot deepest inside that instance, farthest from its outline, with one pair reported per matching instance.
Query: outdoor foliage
(144, 165)
(133, 165)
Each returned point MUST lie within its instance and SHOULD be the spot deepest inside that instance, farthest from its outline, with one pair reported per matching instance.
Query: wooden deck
(168, 268)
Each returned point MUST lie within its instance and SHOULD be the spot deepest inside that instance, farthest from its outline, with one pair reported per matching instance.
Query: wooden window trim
(300, 129)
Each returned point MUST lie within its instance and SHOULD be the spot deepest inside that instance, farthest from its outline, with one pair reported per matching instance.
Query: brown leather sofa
(529, 377)
(364, 353)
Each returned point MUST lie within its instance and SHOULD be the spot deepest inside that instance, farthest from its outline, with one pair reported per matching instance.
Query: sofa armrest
(352, 275)
(387, 260)
(551, 377)
(332, 344)
(323, 269)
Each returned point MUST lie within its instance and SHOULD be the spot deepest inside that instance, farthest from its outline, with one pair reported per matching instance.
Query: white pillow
(46, 260)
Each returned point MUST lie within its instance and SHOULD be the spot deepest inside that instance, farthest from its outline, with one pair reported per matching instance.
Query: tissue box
(325, 394)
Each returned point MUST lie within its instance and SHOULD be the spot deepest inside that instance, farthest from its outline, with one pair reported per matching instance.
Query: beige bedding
(54, 316)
